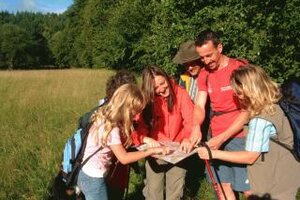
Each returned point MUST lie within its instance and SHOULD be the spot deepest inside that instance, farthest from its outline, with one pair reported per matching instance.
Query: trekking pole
(208, 167)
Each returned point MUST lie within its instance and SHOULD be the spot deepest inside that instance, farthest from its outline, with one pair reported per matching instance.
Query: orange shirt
(171, 126)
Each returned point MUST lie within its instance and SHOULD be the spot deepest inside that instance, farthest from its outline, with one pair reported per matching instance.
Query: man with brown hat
(189, 58)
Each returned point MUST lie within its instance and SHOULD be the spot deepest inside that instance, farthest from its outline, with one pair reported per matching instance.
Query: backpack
(73, 154)
(290, 104)
(74, 150)
(64, 184)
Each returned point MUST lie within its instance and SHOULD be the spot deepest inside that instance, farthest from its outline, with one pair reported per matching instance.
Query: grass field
(39, 111)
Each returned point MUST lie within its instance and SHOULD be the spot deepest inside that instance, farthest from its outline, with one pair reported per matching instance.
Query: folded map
(176, 154)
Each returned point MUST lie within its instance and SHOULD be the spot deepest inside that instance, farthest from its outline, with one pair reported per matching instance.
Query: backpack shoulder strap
(85, 136)
(87, 159)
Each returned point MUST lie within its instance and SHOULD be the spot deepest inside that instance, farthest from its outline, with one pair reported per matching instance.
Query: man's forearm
(198, 116)
(237, 125)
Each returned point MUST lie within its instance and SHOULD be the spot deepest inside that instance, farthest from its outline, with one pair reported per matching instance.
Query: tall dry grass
(39, 110)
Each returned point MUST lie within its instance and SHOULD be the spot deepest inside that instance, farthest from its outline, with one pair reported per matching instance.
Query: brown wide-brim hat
(186, 53)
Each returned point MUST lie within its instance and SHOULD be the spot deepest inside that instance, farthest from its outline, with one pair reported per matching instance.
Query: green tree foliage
(261, 31)
(84, 25)
(135, 33)
(13, 45)
(170, 26)
(61, 46)
(128, 23)
(26, 36)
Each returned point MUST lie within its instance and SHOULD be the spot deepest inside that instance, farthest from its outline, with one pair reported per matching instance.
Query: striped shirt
(190, 84)
(259, 133)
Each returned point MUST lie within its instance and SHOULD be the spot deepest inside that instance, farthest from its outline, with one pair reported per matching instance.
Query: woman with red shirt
(167, 117)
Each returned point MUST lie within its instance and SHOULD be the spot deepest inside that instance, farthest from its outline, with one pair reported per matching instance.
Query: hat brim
(179, 60)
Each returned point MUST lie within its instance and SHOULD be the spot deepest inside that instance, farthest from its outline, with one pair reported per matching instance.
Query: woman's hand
(151, 142)
(185, 145)
(163, 150)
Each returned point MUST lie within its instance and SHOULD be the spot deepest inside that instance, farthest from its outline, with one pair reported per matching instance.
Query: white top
(98, 165)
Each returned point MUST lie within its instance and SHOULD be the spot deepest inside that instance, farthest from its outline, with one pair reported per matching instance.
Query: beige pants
(163, 177)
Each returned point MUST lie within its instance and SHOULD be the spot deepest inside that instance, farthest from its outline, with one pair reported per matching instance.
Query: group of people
(164, 110)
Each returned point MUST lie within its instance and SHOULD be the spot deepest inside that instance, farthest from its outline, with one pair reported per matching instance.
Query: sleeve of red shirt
(186, 109)
(140, 130)
(202, 80)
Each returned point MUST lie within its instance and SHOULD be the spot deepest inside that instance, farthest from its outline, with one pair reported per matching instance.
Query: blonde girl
(111, 129)
(272, 169)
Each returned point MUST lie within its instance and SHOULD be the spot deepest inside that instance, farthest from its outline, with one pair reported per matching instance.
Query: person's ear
(220, 48)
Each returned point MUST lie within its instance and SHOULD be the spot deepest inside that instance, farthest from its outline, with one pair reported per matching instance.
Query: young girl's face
(161, 87)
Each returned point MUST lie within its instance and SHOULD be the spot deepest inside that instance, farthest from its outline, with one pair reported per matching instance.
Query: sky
(44, 6)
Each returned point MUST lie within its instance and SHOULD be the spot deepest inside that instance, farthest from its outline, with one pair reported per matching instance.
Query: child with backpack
(117, 183)
(110, 133)
(272, 168)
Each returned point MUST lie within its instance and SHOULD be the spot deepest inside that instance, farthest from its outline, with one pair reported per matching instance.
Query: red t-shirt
(217, 84)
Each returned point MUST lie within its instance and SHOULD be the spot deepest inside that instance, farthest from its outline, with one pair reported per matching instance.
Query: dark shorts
(227, 172)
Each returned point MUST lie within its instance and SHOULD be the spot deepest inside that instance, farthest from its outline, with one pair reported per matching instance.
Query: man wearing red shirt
(228, 119)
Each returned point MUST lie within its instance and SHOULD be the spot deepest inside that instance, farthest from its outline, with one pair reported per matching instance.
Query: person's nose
(190, 67)
(160, 89)
(207, 60)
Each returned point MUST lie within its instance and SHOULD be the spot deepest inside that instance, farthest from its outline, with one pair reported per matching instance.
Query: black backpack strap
(86, 133)
(87, 159)
(263, 156)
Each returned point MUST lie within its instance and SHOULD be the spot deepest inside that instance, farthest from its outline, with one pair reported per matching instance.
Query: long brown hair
(148, 88)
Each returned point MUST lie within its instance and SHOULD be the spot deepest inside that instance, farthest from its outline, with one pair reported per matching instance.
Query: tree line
(134, 33)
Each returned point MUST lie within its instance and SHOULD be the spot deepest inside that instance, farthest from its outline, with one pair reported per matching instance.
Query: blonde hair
(255, 89)
(125, 103)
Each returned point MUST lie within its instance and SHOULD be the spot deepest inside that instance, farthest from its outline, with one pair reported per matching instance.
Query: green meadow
(39, 111)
